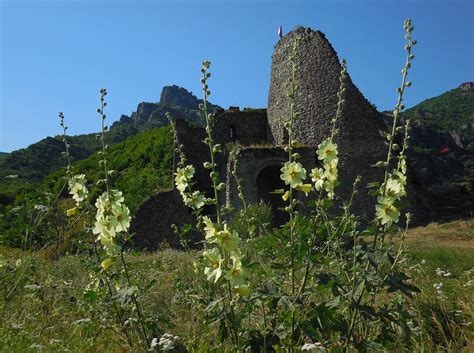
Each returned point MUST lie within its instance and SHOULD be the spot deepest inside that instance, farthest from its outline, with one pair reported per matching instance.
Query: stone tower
(318, 68)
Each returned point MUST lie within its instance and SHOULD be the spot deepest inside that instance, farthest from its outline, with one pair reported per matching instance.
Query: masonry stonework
(260, 137)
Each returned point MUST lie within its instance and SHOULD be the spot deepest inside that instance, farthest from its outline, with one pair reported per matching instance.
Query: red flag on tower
(280, 32)
(444, 149)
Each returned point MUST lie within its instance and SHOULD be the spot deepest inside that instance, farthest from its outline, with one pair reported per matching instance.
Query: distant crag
(178, 101)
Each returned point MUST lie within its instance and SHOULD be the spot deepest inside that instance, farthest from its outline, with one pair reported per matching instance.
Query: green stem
(116, 308)
(135, 302)
(210, 144)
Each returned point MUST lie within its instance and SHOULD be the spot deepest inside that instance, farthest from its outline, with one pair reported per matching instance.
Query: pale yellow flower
(402, 179)
(120, 218)
(306, 188)
(242, 290)
(101, 203)
(214, 260)
(71, 212)
(107, 263)
(210, 230)
(78, 188)
(229, 240)
(183, 177)
(196, 200)
(317, 176)
(236, 274)
(386, 212)
(293, 174)
(109, 200)
(111, 248)
(394, 189)
(327, 150)
(104, 229)
(116, 197)
(330, 170)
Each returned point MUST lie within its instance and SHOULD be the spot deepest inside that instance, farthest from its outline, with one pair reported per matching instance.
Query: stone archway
(267, 181)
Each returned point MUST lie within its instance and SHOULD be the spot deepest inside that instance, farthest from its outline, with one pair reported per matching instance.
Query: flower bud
(296, 155)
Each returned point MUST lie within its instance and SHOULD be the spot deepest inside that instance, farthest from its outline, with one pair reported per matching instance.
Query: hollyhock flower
(386, 212)
(214, 260)
(229, 240)
(327, 151)
(293, 174)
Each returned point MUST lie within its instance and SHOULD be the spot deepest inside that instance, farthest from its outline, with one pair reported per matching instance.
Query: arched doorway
(268, 180)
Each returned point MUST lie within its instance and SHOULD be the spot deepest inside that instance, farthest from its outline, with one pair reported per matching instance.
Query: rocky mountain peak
(467, 86)
(174, 95)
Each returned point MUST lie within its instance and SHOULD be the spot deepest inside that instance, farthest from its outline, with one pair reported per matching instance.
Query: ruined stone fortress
(260, 135)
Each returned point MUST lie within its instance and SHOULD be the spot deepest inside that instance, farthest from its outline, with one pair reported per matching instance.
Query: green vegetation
(444, 131)
(35, 162)
(55, 309)
(142, 165)
(450, 112)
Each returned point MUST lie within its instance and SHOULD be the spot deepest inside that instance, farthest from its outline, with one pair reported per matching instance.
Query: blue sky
(56, 55)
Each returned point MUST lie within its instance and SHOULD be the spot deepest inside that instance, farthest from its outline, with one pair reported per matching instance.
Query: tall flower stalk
(113, 221)
(222, 257)
(389, 194)
(394, 184)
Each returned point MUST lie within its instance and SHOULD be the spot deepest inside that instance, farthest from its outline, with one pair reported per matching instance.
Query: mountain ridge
(34, 162)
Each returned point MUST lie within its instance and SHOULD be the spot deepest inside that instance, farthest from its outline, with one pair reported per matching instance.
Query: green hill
(451, 113)
(33, 163)
(142, 165)
(441, 156)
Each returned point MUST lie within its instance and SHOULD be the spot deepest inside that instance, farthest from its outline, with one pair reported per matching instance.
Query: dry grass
(457, 234)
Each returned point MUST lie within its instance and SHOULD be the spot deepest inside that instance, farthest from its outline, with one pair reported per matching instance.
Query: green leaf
(334, 302)
(396, 282)
(124, 295)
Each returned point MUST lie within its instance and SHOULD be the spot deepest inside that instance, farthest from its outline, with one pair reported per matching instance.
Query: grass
(50, 310)
(448, 247)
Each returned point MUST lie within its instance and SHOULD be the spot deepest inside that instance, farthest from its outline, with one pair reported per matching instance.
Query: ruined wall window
(232, 133)
(268, 180)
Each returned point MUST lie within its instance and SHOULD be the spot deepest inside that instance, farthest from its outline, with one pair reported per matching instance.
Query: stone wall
(154, 218)
(251, 162)
(317, 76)
(196, 152)
(318, 68)
(245, 127)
